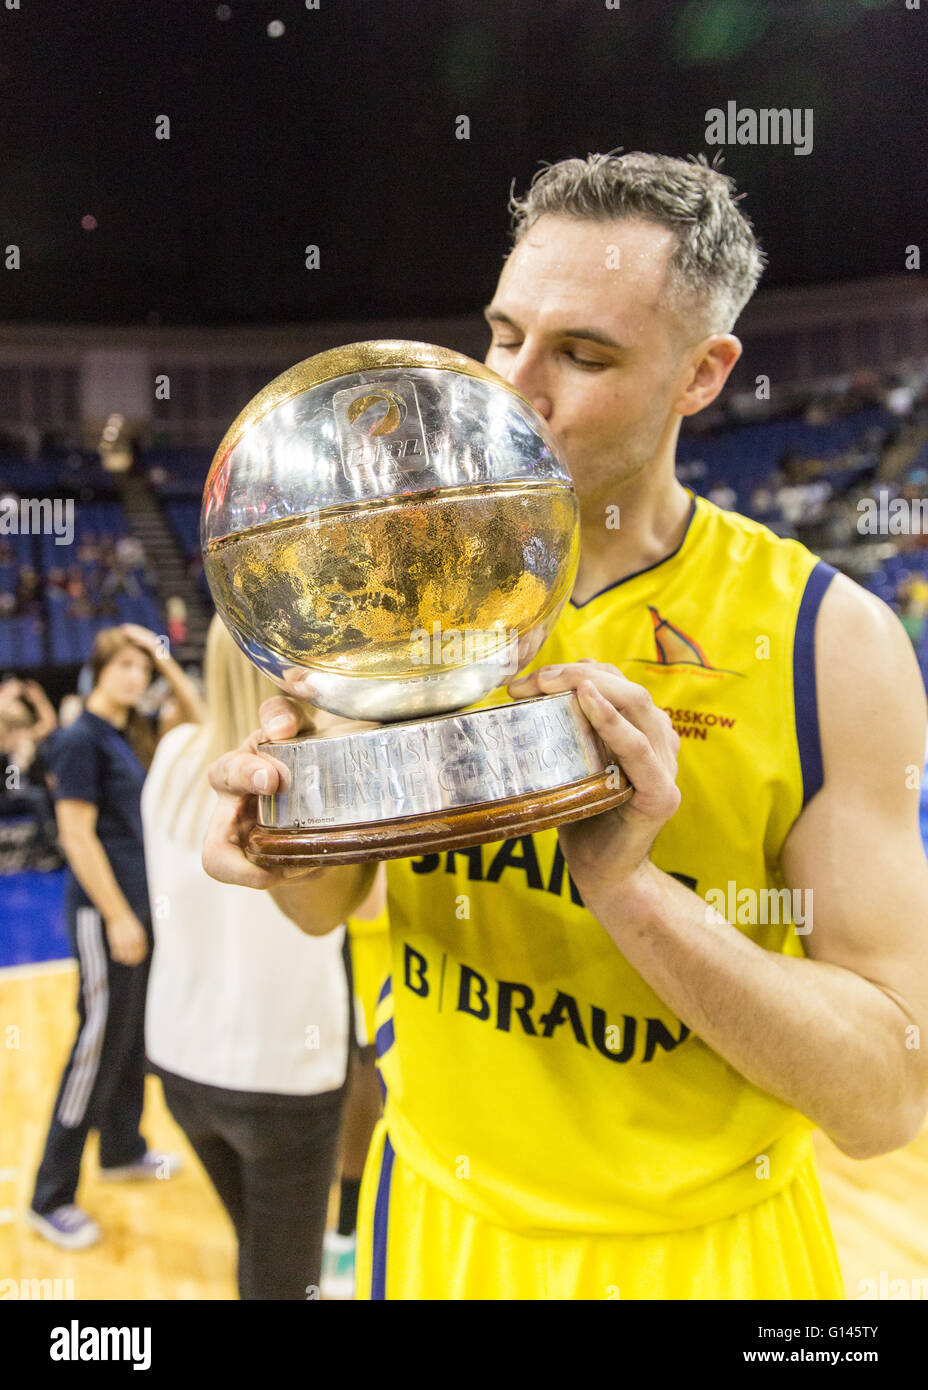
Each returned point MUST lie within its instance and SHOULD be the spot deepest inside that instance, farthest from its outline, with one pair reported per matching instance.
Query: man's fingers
(238, 778)
(248, 774)
(284, 718)
(633, 700)
(226, 863)
(656, 793)
(223, 857)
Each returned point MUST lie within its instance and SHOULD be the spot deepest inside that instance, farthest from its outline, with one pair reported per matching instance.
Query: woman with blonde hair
(248, 1020)
(95, 772)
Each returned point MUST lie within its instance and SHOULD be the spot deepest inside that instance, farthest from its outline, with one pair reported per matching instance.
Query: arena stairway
(147, 523)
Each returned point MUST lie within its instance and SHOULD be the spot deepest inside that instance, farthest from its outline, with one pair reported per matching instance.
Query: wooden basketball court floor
(171, 1239)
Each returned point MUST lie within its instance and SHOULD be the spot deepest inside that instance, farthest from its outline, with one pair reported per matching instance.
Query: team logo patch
(674, 648)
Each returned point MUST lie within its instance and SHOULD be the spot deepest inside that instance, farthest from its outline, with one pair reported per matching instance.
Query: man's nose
(524, 373)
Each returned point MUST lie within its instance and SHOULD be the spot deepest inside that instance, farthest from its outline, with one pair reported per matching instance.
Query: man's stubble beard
(599, 483)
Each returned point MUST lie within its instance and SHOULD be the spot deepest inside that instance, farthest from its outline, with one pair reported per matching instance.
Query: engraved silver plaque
(429, 766)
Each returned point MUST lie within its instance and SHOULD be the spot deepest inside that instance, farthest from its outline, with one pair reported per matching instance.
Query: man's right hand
(239, 778)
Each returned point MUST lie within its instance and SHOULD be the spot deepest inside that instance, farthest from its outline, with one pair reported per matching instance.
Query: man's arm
(858, 846)
(315, 900)
(331, 898)
(835, 1035)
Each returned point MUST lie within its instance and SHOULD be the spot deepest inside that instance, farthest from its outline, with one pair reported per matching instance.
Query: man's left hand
(613, 847)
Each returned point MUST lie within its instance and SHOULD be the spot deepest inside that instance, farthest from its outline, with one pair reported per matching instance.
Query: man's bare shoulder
(870, 691)
(861, 634)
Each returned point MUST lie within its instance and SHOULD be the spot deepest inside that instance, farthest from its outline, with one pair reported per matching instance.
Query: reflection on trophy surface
(347, 591)
(390, 531)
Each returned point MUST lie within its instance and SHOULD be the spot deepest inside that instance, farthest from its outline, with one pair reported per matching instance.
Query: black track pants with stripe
(103, 1083)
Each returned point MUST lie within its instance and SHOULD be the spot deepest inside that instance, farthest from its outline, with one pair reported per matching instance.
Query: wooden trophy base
(457, 828)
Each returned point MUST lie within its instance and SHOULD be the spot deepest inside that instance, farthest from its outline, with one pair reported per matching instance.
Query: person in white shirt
(247, 1019)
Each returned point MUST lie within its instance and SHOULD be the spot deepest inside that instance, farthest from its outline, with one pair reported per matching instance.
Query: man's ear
(709, 366)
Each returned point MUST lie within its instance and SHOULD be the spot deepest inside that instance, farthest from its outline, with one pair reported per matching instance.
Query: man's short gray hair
(717, 262)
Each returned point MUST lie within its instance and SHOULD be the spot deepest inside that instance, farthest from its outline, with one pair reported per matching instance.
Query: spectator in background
(79, 604)
(900, 398)
(248, 1021)
(788, 470)
(88, 552)
(817, 412)
(26, 719)
(763, 503)
(75, 587)
(97, 767)
(28, 726)
(804, 503)
(176, 611)
(130, 552)
(119, 580)
(28, 593)
(723, 496)
(69, 710)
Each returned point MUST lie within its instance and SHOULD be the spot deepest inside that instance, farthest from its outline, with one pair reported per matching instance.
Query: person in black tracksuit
(96, 769)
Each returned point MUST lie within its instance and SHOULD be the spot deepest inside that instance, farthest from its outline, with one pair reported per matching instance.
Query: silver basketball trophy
(389, 532)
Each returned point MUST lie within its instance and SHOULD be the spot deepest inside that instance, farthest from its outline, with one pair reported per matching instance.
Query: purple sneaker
(68, 1227)
(150, 1165)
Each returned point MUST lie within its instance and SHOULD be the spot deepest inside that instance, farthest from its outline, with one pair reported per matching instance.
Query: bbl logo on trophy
(381, 428)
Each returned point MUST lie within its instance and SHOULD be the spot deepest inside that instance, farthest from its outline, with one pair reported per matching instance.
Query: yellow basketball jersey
(368, 939)
(530, 1072)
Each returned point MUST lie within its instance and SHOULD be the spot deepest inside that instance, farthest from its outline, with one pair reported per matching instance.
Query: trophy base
(394, 791)
(458, 828)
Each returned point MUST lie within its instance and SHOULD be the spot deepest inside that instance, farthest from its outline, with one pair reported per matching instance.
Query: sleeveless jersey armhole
(805, 703)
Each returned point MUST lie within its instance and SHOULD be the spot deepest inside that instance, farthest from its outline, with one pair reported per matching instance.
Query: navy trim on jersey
(647, 568)
(808, 735)
(381, 1216)
(385, 1037)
